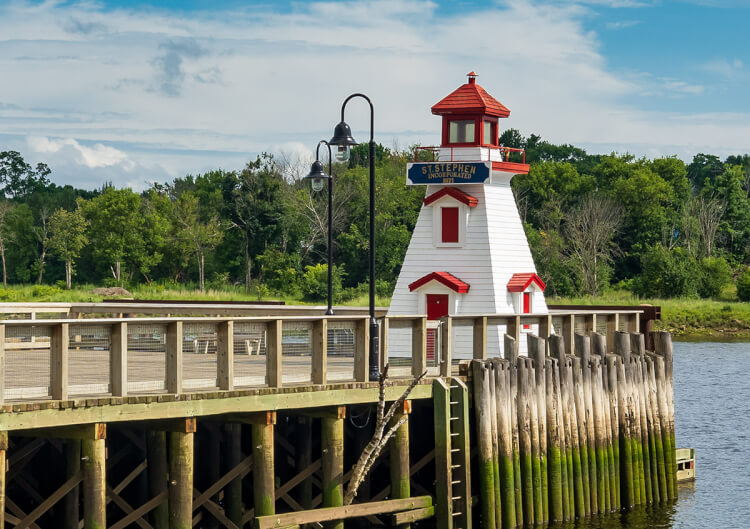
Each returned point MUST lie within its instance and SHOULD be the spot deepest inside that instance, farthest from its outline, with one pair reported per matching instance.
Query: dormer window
(461, 131)
(451, 208)
(449, 224)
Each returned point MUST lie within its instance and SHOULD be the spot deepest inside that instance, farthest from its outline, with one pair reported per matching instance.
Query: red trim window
(489, 133)
(449, 224)
(462, 131)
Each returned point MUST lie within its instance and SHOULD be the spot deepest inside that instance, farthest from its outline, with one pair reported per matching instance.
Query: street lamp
(317, 176)
(342, 139)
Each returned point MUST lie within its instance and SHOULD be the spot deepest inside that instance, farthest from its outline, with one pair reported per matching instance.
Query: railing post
(513, 328)
(174, 357)
(612, 324)
(2, 372)
(362, 351)
(320, 351)
(569, 329)
(590, 324)
(119, 359)
(418, 346)
(59, 364)
(225, 355)
(273, 354)
(446, 345)
(480, 338)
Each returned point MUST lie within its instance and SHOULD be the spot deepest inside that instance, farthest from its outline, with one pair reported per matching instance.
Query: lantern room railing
(433, 153)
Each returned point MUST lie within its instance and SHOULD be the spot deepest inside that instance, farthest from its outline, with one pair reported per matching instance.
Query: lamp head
(317, 176)
(342, 140)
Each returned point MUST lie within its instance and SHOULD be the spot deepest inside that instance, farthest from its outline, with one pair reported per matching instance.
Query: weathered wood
(612, 325)
(181, 480)
(513, 328)
(403, 519)
(460, 455)
(483, 411)
(225, 355)
(29, 519)
(59, 361)
(583, 350)
(71, 513)
(443, 472)
(332, 458)
(505, 442)
(418, 346)
(119, 360)
(571, 459)
(568, 333)
(600, 437)
(279, 521)
(665, 349)
(582, 423)
(273, 353)
(3, 477)
(320, 352)
(446, 346)
(399, 462)
(661, 476)
(94, 483)
(156, 453)
(663, 407)
(263, 469)
(626, 454)
(614, 443)
(537, 348)
(526, 448)
(480, 338)
(492, 404)
(554, 459)
(510, 350)
(174, 357)
(362, 351)
(303, 453)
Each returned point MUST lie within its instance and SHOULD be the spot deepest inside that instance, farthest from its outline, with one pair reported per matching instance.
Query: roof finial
(472, 77)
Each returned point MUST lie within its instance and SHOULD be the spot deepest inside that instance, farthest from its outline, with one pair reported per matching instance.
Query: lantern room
(470, 116)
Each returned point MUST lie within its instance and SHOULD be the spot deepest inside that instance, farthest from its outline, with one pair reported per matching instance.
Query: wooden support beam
(261, 417)
(362, 351)
(320, 351)
(612, 325)
(273, 353)
(233, 490)
(279, 521)
(71, 514)
(28, 520)
(404, 518)
(442, 414)
(303, 453)
(446, 346)
(119, 360)
(184, 425)
(480, 338)
(158, 478)
(93, 456)
(181, 480)
(174, 357)
(332, 460)
(513, 328)
(82, 431)
(59, 362)
(263, 469)
(568, 333)
(418, 346)
(225, 355)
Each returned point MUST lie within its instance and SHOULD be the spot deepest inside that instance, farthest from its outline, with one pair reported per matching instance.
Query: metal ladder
(452, 455)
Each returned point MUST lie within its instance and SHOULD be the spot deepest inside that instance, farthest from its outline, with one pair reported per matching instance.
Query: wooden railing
(56, 359)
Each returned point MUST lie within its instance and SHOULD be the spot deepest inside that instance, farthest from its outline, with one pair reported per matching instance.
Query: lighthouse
(468, 254)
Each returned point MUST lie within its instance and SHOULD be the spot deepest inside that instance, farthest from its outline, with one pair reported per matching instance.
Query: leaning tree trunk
(248, 273)
(5, 272)
(68, 274)
(41, 267)
(201, 273)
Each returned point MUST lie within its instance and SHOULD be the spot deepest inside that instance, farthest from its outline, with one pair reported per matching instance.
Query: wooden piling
(482, 410)
(536, 458)
(233, 490)
(661, 475)
(638, 346)
(510, 349)
(627, 497)
(582, 433)
(664, 423)
(614, 448)
(181, 446)
(264, 496)
(664, 348)
(557, 351)
(495, 441)
(600, 432)
(524, 437)
(654, 473)
(332, 459)
(554, 458)
(93, 454)
(303, 449)
(71, 512)
(583, 350)
(537, 348)
(399, 461)
(156, 457)
(505, 442)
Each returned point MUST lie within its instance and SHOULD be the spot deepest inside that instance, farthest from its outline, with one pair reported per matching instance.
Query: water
(712, 415)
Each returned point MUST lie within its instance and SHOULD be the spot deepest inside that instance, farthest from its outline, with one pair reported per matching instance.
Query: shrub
(7, 294)
(279, 270)
(314, 283)
(668, 273)
(743, 286)
(44, 291)
(715, 275)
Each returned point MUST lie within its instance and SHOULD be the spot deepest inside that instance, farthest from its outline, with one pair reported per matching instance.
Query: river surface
(712, 415)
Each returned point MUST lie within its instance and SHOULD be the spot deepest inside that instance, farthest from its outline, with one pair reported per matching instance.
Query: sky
(137, 92)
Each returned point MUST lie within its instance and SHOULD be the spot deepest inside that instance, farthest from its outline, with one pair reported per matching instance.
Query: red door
(437, 306)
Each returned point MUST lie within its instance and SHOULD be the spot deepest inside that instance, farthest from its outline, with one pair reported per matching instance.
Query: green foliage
(743, 286)
(279, 270)
(668, 273)
(715, 275)
(314, 284)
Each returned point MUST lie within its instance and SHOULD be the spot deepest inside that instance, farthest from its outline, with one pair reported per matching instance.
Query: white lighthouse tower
(468, 253)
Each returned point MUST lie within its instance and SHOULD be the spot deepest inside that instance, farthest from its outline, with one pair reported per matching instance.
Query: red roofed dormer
(470, 116)
(520, 282)
(452, 192)
(444, 278)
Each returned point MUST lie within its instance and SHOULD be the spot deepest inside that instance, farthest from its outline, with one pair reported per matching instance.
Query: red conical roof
(471, 98)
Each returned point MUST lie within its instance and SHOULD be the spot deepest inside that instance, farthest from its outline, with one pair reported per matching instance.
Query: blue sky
(133, 92)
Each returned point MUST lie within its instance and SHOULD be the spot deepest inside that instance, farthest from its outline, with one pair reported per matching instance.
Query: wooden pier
(165, 419)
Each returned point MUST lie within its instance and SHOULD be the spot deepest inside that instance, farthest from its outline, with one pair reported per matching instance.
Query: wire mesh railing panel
(249, 354)
(399, 348)
(342, 336)
(623, 322)
(147, 357)
(296, 352)
(463, 341)
(496, 329)
(601, 325)
(557, 325)
(199, 356)
(89, 359)
(579, 325)
(27, 362)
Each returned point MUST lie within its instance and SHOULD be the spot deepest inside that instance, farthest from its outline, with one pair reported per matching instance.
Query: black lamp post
(342, 139)
(318, 176)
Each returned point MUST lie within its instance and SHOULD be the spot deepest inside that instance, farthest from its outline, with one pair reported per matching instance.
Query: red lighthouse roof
(471, 98)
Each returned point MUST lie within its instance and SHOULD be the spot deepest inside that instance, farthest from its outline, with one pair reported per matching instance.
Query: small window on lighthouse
(461, 131)
(449, 224)
(488, 139)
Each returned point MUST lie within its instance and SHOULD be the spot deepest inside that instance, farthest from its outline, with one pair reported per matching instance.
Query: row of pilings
(565, 436)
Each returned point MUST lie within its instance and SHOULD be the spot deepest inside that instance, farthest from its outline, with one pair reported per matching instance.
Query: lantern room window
(489, 133)
(461, 131)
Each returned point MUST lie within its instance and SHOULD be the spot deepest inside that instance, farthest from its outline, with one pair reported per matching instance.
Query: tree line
(656, 227)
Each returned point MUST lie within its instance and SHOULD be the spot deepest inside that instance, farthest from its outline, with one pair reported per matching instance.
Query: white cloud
(155, 94)
(622, 24)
